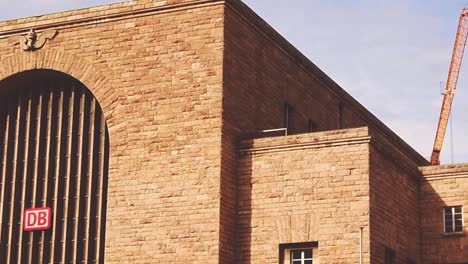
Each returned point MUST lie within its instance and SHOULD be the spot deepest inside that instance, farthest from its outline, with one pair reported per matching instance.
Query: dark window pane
(389, 256)
(458, 225)
(448, 229)
(312, 126)
(308, 253)
(296, 254)
(458, 209)
(448, 222)
(296, 262)
(308, 262)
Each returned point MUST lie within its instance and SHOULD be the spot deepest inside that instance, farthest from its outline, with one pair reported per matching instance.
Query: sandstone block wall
(394, 204)
(156, 68)
(182, 84)
(262, 72)
(304, 188)
(443, 186)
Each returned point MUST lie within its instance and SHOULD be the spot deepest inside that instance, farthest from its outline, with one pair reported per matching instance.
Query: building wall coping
(305, 141)
(335, 138)
(99, 14)
(443, 172)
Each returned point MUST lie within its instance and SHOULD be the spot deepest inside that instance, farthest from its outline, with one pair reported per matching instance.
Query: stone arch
(54, 149)
(78, 68)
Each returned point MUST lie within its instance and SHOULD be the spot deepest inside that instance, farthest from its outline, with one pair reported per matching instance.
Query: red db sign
(36, 219)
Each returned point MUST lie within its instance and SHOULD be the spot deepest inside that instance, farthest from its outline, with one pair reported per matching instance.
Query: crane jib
(451, 85)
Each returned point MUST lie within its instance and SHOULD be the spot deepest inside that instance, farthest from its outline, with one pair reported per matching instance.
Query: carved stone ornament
(33, 41)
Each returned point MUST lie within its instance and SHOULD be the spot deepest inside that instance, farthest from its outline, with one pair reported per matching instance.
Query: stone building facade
(189, 131)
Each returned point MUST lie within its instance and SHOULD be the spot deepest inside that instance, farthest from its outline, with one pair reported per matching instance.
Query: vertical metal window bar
(54, 153)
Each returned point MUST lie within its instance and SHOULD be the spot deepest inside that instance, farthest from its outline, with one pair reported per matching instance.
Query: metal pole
(360, 244)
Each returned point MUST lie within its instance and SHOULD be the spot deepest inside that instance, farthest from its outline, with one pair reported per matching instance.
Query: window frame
(452, 214)
(390, 256)
(286, 249)
(312, 126)
(302, 258)
(340, 115)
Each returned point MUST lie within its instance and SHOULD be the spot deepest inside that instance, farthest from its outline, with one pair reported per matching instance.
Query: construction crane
(451, 85)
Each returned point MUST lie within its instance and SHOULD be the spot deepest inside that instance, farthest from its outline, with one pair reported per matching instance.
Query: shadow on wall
(244, 207)
(443, 234)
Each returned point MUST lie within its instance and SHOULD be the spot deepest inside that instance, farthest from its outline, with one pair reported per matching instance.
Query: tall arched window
(54, 152)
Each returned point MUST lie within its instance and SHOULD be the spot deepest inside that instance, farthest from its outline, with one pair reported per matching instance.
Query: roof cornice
(94, 15)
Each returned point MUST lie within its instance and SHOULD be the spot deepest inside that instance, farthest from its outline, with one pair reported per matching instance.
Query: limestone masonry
(190, 131)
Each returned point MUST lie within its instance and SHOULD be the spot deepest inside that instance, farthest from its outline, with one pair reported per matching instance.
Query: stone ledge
(442, 172)
(305, 141)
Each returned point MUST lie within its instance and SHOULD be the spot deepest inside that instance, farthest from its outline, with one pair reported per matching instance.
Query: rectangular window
(453, 219)
(389, 256)
(298, 253)
(301, 256)
(340, 115)
(312, 126)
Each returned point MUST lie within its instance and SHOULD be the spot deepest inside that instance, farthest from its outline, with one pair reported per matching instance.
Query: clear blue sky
(390, 55)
